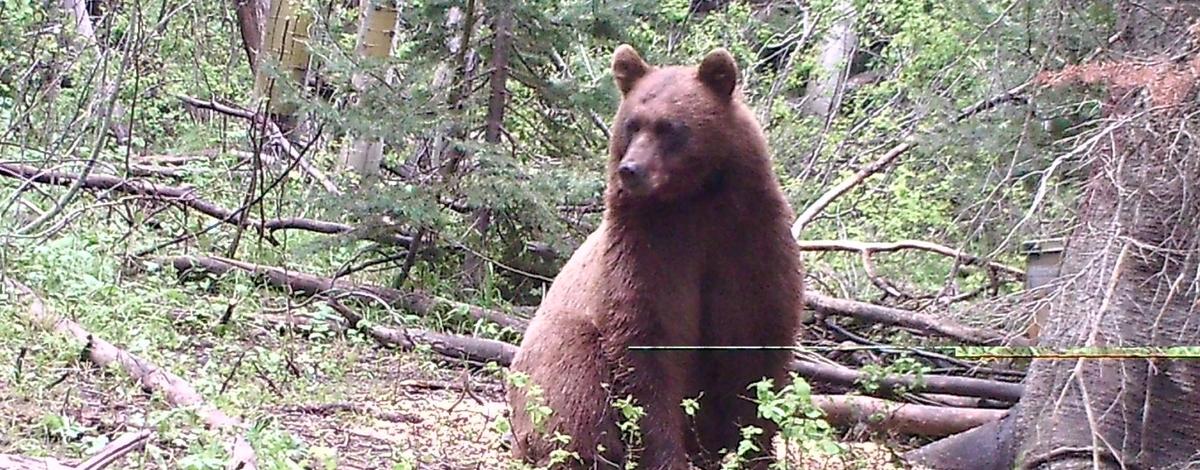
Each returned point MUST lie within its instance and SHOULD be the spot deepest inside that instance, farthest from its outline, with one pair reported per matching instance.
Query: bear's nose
(630, 173)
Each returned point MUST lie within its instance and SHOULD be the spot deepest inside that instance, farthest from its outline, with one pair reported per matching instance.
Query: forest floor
(320, 398)
(313, 394)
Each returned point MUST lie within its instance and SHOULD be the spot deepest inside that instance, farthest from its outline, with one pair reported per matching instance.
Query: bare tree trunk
(1129, 271)
(376, 33)
(823, 93)
(446, 154)
(86, 32)
(252, 18)
(284, 47)
(473, 265)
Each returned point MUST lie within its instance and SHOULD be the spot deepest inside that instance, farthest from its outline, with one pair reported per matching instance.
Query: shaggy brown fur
(694, 250)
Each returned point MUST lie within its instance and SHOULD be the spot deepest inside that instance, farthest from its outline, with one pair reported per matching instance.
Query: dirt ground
(381, 407)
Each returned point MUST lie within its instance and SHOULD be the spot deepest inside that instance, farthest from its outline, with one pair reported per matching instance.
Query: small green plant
(873, 375)
(800, 421)
(534, 405)
(746, 446)
(560, 455)
(631, 415)
(62, 427)
(691, 405)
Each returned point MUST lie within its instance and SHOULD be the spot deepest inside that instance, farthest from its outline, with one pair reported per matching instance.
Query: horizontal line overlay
(975, 352)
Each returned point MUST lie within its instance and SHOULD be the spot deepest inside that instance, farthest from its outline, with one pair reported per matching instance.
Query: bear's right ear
(627, 67)
(719, 71)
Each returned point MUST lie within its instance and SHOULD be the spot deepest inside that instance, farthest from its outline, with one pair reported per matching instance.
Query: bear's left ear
(627, 67)
(719, 71)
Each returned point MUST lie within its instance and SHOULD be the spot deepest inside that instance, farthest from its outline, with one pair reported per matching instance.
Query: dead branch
(959, 386)
(275, 134)
(324, 409)
(876, 166)
(21, 462)
(909, 319)
(904, 418)
(870, 248)
(478, 350)
(173, 160)
(116, 449)
(175, 390)
(446, 385)
(419, 302)
(182, 195)
(846, 185)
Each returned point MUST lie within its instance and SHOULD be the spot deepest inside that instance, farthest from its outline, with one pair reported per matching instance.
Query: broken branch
(275, 134)
(175, 390)
(869, 248)
(469, 348)
(876, 166)
(909, 319)
(419, 302)
(958, 386)
(183, 195)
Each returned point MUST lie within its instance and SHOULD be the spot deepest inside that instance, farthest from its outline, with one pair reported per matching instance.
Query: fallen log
(106, 456)
(959, 386)
(469, 348)
(909, 319)
(183, 195)
(175, 390)
(904, 418)
(419, 302)
(21, 462)
(991, 446)
(424, 303)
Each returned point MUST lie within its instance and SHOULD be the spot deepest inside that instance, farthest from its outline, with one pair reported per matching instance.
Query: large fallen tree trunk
(902, 418)
(960, 386)
(175, 390)
(419, 302)
(843, 410)
(990, 446)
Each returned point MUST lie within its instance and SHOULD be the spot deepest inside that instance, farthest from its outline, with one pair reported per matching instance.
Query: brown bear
(694, 251)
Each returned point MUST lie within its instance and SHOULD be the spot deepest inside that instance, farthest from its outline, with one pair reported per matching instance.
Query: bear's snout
(633, 176)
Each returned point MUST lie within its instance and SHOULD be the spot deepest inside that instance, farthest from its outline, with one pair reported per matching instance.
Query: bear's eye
(633, 125)
(672, 132)
(668, 127)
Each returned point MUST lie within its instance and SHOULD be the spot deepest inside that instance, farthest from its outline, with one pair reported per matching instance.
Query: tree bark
(376, 34)
(1132, 281)
(987, 447)
(824, 93)
(473, 265)
(251, 18)
(284, 46)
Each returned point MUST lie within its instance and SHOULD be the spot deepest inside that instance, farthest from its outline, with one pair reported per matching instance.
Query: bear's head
(680, 131)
